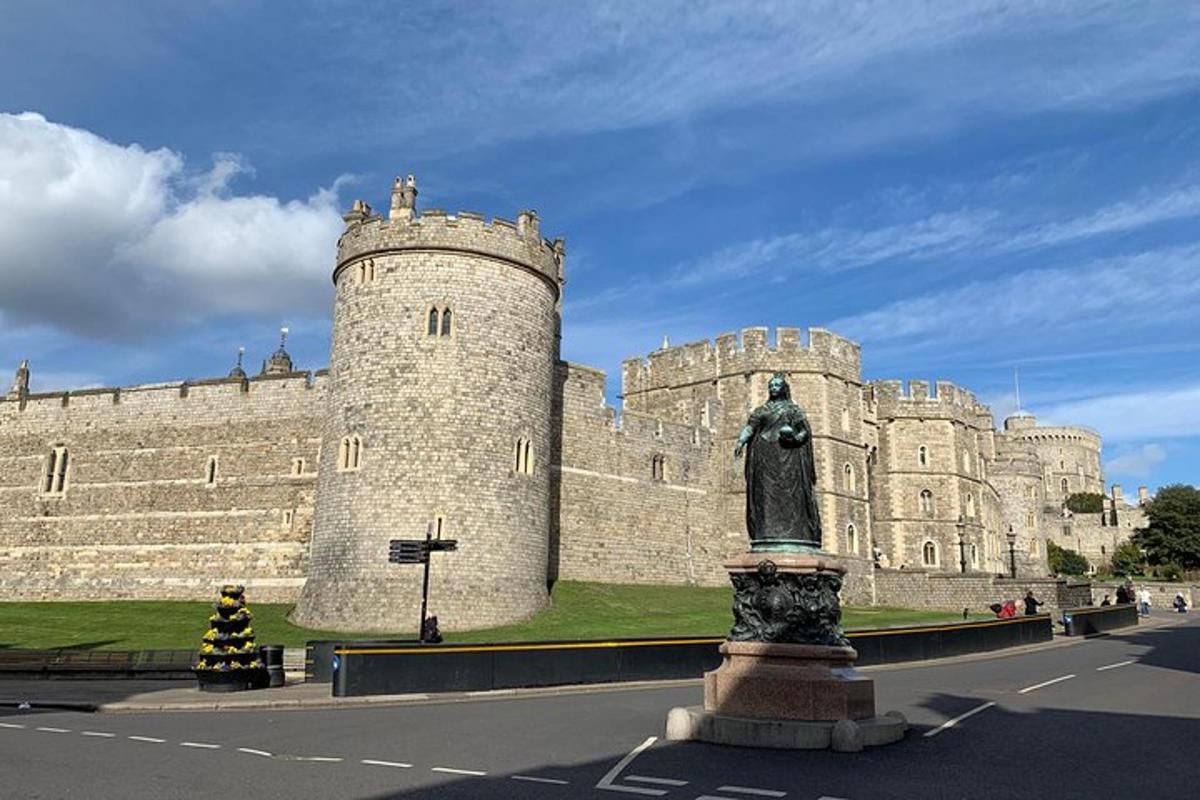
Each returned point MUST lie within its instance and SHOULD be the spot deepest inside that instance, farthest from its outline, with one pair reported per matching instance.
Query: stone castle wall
(138, 516)
(621, 520)
(480, 429)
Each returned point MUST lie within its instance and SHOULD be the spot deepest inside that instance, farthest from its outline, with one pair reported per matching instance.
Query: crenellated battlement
(1062, 435)
(520, 243)
(271, 389)
(918, 398)
(750, 351)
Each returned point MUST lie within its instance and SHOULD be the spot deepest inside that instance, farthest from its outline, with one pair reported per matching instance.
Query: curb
(327, 702)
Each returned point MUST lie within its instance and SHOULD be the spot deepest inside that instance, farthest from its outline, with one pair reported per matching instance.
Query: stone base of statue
(787, 679)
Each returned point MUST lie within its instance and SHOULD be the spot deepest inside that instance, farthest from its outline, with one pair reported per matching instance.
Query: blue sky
(964, 188)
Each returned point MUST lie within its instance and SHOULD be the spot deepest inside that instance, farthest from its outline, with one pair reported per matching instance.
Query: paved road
(1117, 716)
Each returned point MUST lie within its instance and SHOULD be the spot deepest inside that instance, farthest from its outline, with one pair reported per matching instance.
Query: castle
(446, 404)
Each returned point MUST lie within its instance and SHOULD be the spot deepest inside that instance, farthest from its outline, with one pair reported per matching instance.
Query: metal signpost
(416, 551)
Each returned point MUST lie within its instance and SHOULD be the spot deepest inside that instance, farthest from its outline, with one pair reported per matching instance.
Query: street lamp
(1012, 553)
(962, 543)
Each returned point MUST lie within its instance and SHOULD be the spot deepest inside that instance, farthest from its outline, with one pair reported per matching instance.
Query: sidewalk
(130, 696)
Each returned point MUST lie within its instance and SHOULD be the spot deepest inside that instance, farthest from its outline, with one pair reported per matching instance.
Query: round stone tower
(445, 339)
(1070, 457)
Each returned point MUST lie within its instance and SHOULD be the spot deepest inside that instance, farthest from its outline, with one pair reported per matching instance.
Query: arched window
(923, 456)
(446, 326)
(658, 468)
(523, 457)
(1066, 487)
(971, 506)
(852, 538)
(210, 472)
(55, 481)
(350, 453)
(850, 481)
(929, 554)
(974, 556)
(297, 466)
(927, 502)
(1031, 521)
(432, 329)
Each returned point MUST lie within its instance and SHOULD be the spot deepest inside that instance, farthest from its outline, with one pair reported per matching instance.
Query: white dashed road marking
(253, 752)
(752, 790)
(53, 730)
(376, 763)
(10, 725)
(329, 759)
(534, 779)
(98, 734)
(1114, 666)
(452, 771)
(201, 745)
(146, 739)
(950, 723)
(1044, 684)
(659, 781)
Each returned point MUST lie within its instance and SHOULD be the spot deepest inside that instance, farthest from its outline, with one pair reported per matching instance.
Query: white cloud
(1134, 416)
(903, 67)
(1138, 462)
(1155, 286)
(111, 240)
(979, 232)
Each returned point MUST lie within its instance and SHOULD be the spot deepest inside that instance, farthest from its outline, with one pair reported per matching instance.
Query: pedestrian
(1180, 604)
(1106, 601)
(1031, 603)
(1143, 601)
(1123, 595)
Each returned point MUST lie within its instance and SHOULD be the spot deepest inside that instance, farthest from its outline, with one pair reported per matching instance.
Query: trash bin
(1068, 624)
(272, 656)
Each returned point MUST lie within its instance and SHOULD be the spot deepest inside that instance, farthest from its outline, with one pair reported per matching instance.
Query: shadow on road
(1183, 653)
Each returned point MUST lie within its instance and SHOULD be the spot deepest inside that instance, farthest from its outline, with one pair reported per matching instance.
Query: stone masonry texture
(481, 430)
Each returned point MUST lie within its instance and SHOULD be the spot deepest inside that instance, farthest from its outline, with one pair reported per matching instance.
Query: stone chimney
(1117, 496)
(1143, 495)
(404, 198)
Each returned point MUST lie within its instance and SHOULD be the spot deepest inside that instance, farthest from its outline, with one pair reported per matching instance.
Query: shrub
(1064, 561)
(1085, 503)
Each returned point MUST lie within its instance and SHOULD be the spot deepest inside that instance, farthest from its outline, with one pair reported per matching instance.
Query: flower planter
(234, 680)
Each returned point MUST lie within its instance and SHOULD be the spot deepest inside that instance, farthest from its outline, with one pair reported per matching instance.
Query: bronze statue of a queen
(781, 502)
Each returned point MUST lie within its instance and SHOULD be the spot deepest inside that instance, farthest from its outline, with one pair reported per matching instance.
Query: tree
(1128, 559)
(1064, 561)
(1172, 535)
(1085, 503)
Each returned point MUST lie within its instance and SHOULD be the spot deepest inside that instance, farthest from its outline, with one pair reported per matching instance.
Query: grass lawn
(580, 611)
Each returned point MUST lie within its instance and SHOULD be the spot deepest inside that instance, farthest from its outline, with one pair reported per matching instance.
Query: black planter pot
(211, 680)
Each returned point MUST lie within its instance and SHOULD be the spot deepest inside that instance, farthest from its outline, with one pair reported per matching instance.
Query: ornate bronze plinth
(787, 598)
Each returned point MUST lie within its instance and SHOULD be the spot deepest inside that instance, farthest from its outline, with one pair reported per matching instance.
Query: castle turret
(280, 363)
(238, 371)
(20, 386)
(440, 413)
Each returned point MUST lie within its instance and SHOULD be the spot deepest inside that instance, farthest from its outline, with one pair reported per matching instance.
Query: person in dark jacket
(1031, 603)
(1106, 601)
(1123, 595)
